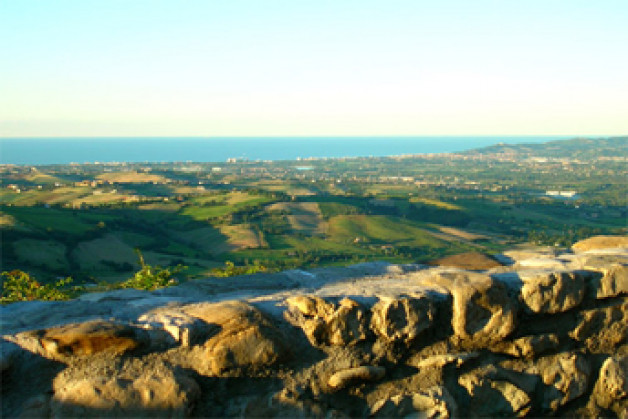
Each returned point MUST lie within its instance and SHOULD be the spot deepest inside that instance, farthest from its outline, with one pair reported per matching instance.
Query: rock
(611, 282)
(343, 378)
(600, 242)
(602, 329)
(402, 319)
(246, 338)
(551, 292)
(168, 326)
(494, 398)
(473, 261)
(439, 361)
(36, 407)
(8, 353)
(611, 388)
(567, 374)
(483, 311)
(325, 323)
(156, 391)
(434, 402)
(529, 346)
(82, 339)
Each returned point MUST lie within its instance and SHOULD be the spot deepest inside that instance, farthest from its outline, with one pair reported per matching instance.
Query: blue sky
(267, 67)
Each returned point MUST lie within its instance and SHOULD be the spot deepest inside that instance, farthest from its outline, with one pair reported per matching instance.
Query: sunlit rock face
(543, 333)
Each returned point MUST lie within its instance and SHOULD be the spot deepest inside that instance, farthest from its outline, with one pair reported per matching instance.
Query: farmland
(87, 220)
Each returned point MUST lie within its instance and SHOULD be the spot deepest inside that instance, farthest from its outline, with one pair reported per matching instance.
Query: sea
(47, 151)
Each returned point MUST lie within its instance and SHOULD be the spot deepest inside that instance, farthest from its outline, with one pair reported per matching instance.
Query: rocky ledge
(544, 332)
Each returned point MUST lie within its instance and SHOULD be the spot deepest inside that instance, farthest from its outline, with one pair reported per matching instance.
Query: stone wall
(545, 333)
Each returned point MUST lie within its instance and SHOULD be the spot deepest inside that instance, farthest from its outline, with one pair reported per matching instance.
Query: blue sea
(42, 151)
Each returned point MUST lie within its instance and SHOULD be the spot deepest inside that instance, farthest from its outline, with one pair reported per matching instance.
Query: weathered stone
(600, 242)
(602, 329)
(529, 346)
(8, 353)
(348, 324)
(82, 339)
(167, 326)
(552, 292)
(325, 323)
(611, 388)
(568, 373)
(483, 311)
(36, 407)
(246, 338)
(439, 361)
(494, 398)
(153, 392)
(402, 319)
(435, 402)
(343, 378)
(611, 281)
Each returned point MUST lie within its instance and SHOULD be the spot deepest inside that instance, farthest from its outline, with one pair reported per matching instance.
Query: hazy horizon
(246, 68)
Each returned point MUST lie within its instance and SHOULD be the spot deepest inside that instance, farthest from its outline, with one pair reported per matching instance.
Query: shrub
(152, 277)
(19, 286)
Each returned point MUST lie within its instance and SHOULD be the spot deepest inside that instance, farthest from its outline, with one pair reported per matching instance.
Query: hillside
(543, 333)
(577, 148)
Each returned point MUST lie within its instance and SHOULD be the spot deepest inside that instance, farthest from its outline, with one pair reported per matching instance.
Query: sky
(313, 68)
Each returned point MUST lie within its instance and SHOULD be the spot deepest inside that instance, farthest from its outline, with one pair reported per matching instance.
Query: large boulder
(246, 339)
(551, 292)
(492, 398)
(566, 375)
(326, 323)
(483, 309)
(602, 330)
(82, 339)
(149, 391)
(611, 279)
(600, 242)
(611, 388)
(402, 319)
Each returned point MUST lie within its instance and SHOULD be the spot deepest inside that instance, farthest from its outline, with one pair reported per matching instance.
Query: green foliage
(19, 286)
(152, 277)
(231, 270)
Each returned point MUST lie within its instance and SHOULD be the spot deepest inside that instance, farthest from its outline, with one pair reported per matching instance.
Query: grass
(226, 204)
(380, 229)
(48, 254)
(58, 220)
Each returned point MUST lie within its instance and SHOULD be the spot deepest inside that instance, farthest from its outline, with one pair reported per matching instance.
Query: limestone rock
(168, 326)
(483, 310)
(435, 402)
(246, 338)
(150, 392)
(602, 329)
(494, 397)
(439, 361)
(529, 346)
(82, 339)
(611, 388)
(552, 292)
(611, 282)
(402, 319)
(600, 242)
(567, 374)
(8, 353)
(343, 378)
(325, 323)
